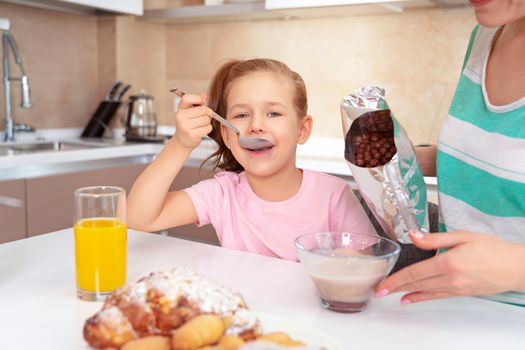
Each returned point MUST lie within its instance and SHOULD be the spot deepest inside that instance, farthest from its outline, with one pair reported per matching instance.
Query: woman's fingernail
(405, 301)
(381, 293)
(416, 234)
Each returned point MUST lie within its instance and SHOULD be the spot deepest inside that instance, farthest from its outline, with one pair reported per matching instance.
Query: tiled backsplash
(60, 57)
(72, 59)
(415, 56)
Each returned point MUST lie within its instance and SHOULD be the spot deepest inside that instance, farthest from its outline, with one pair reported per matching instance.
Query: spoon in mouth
(251, 143)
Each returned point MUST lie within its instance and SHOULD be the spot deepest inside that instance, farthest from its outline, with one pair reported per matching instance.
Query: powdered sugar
(199, 291)
(111, 316)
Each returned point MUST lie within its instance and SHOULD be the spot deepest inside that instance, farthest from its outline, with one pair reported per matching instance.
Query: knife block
(100, 120)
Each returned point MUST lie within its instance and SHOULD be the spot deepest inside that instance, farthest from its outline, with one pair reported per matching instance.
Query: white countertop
(40, 309)
(318, 154)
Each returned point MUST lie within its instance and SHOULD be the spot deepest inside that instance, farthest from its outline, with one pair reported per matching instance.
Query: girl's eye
(240, 115)
(274, 114)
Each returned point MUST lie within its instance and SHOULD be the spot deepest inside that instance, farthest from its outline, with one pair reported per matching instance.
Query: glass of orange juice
(100, 241)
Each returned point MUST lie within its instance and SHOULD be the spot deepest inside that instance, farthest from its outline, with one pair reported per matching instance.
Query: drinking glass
(346, 266)
(100, 241)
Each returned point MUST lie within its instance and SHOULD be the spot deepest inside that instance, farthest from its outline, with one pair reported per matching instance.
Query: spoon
(251, 143)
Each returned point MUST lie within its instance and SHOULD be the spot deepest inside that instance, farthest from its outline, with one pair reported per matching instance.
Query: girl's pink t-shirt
(243, 221)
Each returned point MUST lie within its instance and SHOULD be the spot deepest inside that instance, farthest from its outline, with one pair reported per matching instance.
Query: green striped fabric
(480, 189)
(469, 105)
(481, 158)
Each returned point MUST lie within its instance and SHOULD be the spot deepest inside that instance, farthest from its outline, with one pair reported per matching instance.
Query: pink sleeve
(205, 196)
(347, 214)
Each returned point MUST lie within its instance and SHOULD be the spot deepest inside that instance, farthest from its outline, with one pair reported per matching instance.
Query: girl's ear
(305, 129)
(224, 135)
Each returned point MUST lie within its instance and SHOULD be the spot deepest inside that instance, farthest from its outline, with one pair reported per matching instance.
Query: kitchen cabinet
(276, 4)
(285, 9)
(187, 177)
(12, 210)
(50, 199)
(129, 7)
(50, 203)
(325, 8)
(234, 12)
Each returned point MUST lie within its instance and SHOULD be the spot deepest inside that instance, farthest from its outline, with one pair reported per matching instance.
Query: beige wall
(416, 56)
(71, 60)
(141, 61)
(60, 56)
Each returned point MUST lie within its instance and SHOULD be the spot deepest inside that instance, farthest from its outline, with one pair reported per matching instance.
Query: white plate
(297, 330)
(294, 328)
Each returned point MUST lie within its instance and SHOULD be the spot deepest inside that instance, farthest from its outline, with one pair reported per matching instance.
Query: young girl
(261, 201)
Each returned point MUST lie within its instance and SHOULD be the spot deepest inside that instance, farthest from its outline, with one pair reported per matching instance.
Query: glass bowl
(346, 266)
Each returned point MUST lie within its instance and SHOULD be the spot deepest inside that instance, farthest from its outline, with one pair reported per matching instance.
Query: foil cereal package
(383, 163)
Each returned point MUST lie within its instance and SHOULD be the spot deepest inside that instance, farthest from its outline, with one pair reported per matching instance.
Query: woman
(481, 172)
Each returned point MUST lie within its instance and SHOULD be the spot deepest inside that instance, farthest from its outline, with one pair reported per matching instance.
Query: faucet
(8, 41)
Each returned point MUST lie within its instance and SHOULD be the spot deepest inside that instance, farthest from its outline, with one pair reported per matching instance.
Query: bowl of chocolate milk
(346, 266)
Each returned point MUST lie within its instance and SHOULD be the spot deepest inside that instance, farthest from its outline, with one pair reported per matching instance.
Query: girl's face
(494, 13)
(261, 105)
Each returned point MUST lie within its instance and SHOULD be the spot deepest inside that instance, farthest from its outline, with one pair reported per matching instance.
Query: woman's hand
(474, 264)
(192, 121)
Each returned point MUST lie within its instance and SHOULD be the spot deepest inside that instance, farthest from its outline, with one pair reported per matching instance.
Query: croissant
(230, 342)
(154, 342)
(199, 331)
(161, 303)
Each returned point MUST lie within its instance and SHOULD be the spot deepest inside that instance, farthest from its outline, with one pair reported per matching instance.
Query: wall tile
(414, 55)
(72, 59)
(141, 59)
(59, 101)
(59, 52)
(107, 53)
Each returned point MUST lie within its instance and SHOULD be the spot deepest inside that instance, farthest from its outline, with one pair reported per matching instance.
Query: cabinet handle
(11, 202)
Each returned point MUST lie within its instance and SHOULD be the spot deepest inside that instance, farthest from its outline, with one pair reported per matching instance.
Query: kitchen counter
(107, 153)
(40, 309)
(318, 154)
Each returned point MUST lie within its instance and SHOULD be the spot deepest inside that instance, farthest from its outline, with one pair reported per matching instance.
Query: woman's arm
(426, 157)
(474, 264)
(150, 205)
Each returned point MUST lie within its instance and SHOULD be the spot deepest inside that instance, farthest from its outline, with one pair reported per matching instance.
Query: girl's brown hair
(218, 91)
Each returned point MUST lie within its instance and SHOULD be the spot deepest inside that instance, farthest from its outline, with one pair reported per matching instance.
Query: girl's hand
(474, 264)
(192, 121)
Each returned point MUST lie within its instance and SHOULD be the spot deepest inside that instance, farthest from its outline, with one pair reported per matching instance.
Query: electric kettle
(139, 117)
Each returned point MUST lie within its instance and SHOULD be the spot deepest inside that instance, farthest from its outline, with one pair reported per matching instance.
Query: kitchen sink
(46, 146)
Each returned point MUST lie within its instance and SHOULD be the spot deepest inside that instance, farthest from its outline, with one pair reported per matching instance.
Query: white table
(39, 308)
